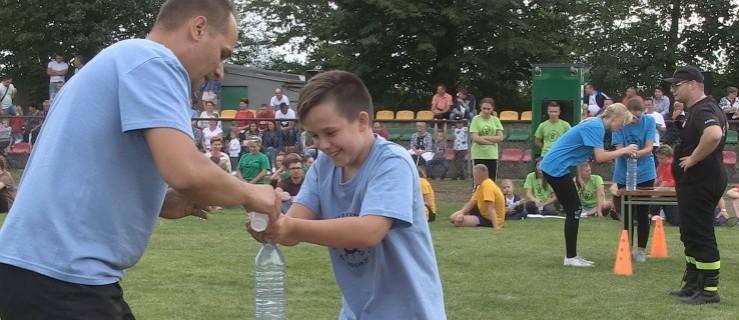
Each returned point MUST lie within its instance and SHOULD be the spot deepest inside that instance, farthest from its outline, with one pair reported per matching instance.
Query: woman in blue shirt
(575, 146)
(641, 133)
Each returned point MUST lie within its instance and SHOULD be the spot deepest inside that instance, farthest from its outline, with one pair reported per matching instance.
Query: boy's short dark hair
(346, 89)
(553, 104)
(634, 104)
(244, 100)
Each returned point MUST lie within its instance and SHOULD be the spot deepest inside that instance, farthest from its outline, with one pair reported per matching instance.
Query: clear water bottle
(631, 165)
(269, 284)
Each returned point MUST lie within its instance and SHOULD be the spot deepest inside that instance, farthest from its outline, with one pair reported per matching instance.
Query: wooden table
(644, 196)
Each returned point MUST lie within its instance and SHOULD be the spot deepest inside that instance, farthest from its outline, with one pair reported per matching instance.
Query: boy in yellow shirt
(428, 195)
(486, 203)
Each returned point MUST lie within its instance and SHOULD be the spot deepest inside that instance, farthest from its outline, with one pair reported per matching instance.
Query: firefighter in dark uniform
(700, 180)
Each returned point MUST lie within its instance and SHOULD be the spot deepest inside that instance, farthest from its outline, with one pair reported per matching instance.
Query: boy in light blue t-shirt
(362, 199)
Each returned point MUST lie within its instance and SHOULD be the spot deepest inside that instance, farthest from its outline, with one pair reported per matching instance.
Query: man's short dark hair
(346, 89)
(291, 159)
(174, 13)
(7, 77)
(244, 100)
(553, 104)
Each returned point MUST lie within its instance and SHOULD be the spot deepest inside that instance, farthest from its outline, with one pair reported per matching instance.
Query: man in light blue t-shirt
(100, 204)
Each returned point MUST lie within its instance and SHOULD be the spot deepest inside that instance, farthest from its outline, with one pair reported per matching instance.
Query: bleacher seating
(729, 158)
(526, 155)
(405, 115)
(508, 116)
(526, 115)
(20, 148)
(424, 115)
(394, 133)
(228, 114)
(511, 155)
(732, 136)
(385, 115)
(518, 135)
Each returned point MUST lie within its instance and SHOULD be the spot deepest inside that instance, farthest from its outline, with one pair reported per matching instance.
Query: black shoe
(614, 215)
(686, 291)
(432, 217)
(702, 297)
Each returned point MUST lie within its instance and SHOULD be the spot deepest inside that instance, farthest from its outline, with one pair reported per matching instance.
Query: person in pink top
(665, 179)
(631, 94)
(441, 103)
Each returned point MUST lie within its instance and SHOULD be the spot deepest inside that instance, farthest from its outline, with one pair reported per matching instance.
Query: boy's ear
(364, 120)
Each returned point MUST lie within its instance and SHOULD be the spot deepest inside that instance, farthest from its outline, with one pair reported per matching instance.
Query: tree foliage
(639, 43)
(36, 29)
(402, 49)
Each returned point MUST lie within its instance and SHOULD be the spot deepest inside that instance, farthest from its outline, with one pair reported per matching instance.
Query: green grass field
(197, 269)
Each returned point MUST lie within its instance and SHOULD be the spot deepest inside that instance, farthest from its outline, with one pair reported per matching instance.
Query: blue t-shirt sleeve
(154, 94)
(390, 194)
(651, 128)
(592, 135)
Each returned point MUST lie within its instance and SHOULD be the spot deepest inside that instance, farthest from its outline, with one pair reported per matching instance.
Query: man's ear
(197, 27)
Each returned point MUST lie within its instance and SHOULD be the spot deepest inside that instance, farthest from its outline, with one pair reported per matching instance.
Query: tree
(640, 43)
(403, 49)
(36, 29)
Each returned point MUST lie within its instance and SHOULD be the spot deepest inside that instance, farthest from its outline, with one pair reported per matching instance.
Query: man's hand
(177, 206)
(686, 163)
(274, 232)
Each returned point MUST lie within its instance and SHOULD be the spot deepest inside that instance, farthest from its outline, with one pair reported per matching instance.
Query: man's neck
(693, 100)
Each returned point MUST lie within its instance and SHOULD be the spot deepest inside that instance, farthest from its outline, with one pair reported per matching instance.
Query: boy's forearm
(351, 232)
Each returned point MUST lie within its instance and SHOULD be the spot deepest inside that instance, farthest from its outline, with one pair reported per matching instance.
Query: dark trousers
(640, 213)
(460, 164)
(695, 205)
(492, 165)
(27, 295)
(567, 196)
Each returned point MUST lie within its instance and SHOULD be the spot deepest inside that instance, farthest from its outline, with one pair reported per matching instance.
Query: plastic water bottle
(631, 173)
(269, 276)
(269, 284)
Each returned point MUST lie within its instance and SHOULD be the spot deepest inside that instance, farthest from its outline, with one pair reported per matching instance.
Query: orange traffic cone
(623, 256)
(659, 245)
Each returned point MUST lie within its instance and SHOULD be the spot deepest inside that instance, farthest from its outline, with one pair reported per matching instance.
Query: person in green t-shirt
(539, 193)
(487, 132)
(591, 192)
(549, 131)
(253, 165)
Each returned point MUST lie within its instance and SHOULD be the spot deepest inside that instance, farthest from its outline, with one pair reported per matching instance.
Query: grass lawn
(197, 269)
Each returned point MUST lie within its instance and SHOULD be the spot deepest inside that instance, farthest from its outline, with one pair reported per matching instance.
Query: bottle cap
(258, 221)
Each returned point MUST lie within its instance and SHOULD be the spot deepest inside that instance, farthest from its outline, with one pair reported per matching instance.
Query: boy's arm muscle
(351, 232)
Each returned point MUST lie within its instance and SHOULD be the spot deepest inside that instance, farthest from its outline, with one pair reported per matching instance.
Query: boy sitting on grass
(487, 206)
(355, 201)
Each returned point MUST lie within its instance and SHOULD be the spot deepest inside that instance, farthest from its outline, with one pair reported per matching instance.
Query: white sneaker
(577, 261)
(640, 256)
